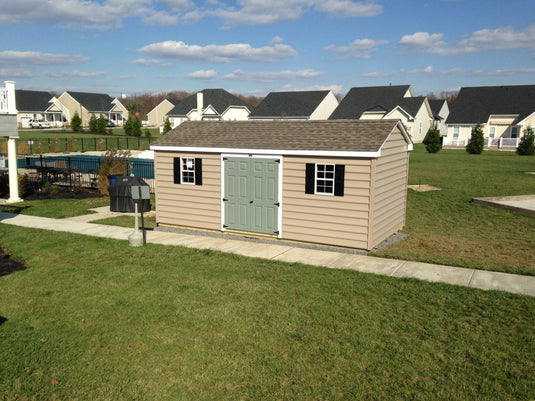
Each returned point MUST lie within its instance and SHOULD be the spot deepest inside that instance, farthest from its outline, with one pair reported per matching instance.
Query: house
(388, 102)
(87, 104)
(209, 104)
(441, 111)
(302, 105)
(37, 105)
(156, 116)
(503, 111)
(341, 183)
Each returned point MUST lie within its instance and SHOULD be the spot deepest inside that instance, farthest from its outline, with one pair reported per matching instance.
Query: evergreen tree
(526, 147)
(101, 124)
(93, 123)
(136, 127)
(167, 126)
(433, 142)
(476, 143)
(128, 126)
(76, 122)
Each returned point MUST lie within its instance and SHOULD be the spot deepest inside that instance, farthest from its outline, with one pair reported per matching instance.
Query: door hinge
(277, 203)
(225, 200)
(225, 226)
(278, 161)
(276, 232)
(225, 158)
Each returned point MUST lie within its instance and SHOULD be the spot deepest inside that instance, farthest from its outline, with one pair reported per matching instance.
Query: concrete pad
(307, 256)
(434, 273)
(257, 250)
(488, 280)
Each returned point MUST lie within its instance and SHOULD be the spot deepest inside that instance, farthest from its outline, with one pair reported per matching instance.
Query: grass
(445, 228)
(56, 208)
(128, 221)
(95, 319)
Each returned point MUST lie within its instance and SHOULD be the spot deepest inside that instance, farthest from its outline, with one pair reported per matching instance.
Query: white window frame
(492, 131)
(517, 128)
(324, 178)
(187, 170)
(458, 128)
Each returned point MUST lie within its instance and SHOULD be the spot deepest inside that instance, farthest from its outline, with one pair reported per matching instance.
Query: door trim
(279, 189)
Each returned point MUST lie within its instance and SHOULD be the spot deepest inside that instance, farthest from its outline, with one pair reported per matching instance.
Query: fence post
(117, 143)
(69, 169)
(82, 138)
(138, 142)
(42, 172)
(106, 143)
(127, 145)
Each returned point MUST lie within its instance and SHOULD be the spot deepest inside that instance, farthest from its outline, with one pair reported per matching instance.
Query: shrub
(433, 142)
(526, 147)
(128, 126)
(476, 143)
(53, 145)
(101, 124)
(136, 127)
(147, 133)
(93, 123)
(167, 126)
(115, 162)
(76, 123)
(22, 148)
(70, 143)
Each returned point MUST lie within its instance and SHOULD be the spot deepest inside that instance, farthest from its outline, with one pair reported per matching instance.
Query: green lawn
(445, 228)
(95, 319)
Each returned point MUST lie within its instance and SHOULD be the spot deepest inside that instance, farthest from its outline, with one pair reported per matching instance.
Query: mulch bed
(64, 193)
(9, 265)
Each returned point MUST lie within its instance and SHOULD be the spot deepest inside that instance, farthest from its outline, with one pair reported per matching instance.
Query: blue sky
(253, 47)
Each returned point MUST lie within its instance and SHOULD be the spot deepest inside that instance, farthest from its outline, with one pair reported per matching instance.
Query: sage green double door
(251, 194)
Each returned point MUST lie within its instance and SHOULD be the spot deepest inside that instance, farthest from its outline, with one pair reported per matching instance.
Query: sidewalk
(286, 252)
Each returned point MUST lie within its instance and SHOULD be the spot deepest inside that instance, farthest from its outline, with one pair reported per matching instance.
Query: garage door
(251, 194)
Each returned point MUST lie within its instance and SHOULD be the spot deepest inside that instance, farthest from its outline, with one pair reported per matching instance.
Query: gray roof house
(441, 111)
(387, 102)
(36, 105)
(503, 111)
(340, 183)
(209, 104)
(156, 117)
(301, 105)
(87, 104)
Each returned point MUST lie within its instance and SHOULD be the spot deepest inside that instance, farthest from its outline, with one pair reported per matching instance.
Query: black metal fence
(78, 170)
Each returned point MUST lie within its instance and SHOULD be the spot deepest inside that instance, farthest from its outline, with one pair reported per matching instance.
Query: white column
(13, 176)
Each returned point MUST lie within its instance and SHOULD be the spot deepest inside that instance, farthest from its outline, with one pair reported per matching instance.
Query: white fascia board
(410, 145)
(319, 153)
(527, 118)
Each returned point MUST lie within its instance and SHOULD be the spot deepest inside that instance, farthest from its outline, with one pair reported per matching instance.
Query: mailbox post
(139, 193)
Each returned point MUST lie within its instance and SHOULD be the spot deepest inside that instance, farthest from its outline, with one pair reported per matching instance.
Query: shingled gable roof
(96, 102)
(436, 105)
(357, 138)
(372, 98)
(289, 104)
(476, 104)
(31, 101)
(219, 99)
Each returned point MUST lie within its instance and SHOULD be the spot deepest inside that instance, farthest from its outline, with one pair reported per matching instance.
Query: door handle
(251, 201)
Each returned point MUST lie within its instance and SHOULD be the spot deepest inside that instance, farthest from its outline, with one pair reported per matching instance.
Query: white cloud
(272, 76)
(359, 48)
(504, 72)
(217, 53)
(202, 74)
(485, 39)
(15, 73)
(144, 62)
(37, 58)
(429, 70)
(261, 12)
(277, 39)
(334, 88)
(75, 74)
(161, 19)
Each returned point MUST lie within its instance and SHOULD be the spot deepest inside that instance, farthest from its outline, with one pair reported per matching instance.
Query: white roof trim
(293, 152)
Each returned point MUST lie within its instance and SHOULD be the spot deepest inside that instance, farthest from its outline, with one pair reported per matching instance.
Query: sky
(253, 47)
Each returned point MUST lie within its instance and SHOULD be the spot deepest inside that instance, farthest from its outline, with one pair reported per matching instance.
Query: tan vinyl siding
(335, 220)
(196, 206)
(390, 189)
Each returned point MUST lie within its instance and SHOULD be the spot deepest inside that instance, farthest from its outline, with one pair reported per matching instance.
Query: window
(324, 179)
(187, 170)
(456, 130)
(514, 132)
(492, 131)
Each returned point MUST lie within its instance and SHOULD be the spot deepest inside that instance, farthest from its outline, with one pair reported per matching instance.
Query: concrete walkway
(287, 252)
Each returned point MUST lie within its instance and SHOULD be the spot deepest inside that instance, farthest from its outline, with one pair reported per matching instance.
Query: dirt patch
(9, 265)
(424, 188)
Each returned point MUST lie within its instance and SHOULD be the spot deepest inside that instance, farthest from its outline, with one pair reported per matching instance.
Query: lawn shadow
(13, 208)
(2, 320)
(9, 265)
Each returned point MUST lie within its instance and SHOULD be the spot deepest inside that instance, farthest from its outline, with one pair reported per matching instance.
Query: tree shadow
(2, 320)
(9, 265)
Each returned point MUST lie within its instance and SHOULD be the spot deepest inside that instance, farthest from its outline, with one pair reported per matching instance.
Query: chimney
(200, 99)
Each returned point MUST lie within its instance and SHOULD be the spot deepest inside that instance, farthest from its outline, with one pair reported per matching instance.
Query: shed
(340, 182)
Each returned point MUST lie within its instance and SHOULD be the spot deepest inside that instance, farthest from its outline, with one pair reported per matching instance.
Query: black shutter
(339, 171)
(176, 170)
(198, 171)
(310, 178)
